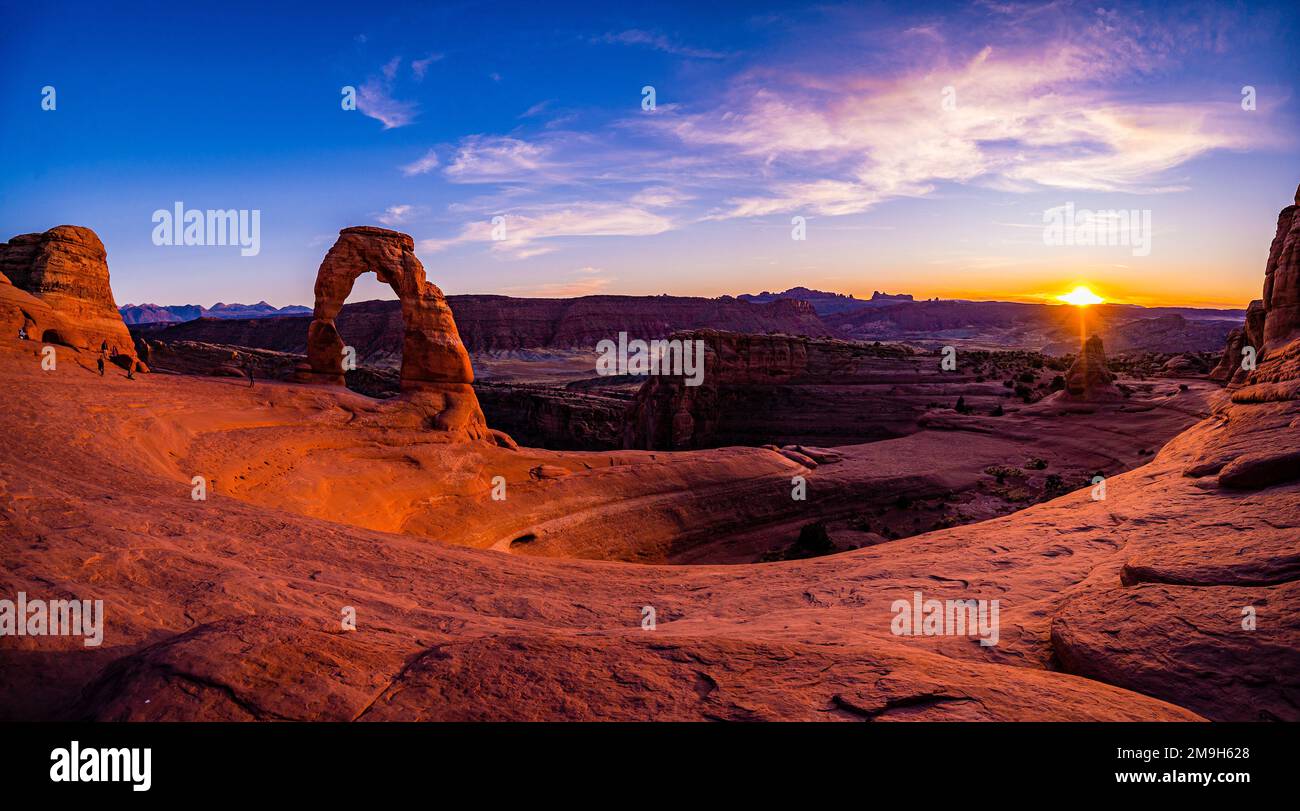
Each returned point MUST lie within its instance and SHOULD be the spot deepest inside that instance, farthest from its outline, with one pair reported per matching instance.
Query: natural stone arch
(435, 365)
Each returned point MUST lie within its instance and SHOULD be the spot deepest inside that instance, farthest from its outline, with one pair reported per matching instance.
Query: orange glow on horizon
(1081, 296)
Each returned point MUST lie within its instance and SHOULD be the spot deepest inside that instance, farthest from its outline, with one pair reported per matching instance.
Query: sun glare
(1081, 297)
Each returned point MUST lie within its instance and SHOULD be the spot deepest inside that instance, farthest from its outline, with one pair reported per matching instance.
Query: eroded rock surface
(1088, 377)
(436, 368)
(66, 270)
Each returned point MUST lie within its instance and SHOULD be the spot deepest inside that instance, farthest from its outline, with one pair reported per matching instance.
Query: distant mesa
(436, 369)
(826, 303)
(55, 285)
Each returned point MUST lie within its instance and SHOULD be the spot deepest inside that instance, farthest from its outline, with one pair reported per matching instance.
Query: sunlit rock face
(1282, 281)
(436, 369)
(66, 270)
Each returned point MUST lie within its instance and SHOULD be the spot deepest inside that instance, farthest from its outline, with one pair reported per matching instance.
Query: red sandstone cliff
(68, 301)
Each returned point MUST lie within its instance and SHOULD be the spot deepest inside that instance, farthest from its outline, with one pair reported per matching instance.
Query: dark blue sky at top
(235, 105)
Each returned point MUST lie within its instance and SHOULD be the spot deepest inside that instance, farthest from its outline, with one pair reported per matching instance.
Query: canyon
(1123, 606)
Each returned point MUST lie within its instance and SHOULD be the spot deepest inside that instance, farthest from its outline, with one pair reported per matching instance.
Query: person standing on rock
(99, 361)
(246, 361)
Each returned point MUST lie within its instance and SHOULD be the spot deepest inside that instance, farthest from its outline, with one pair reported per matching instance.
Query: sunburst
(1081, 296)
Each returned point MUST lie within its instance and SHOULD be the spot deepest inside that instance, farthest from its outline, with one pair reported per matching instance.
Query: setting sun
(1081, 297)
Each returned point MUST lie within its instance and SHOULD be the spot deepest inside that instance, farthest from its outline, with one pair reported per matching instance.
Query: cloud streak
(659, 42)
(1064, 110)
(375, 99)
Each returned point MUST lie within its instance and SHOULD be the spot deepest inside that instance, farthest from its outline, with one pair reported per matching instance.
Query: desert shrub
(814, 540)
(1003, 472)
(1034, 463)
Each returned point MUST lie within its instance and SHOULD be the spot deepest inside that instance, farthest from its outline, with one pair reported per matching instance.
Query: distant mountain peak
(176, 313)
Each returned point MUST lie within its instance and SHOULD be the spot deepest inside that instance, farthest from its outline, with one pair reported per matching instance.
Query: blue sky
(763, 112)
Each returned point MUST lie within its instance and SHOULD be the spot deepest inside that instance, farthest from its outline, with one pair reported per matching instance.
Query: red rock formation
(1142, 592)
(1088, 377)
(1231, 360)
(435, 366)
(66, 269)
(1273, 322)
(1282, 280)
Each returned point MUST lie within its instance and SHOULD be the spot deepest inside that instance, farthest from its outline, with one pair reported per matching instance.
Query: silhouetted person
(130, 372)
(246, 361)
(100, 362)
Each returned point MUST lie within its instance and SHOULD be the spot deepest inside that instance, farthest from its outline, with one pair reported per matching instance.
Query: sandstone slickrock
(436, 368)
(66, 268)
(1127, 608)
(1255, 470)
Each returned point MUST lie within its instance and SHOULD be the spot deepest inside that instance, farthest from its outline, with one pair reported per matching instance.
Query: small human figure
(130, 372)
(22, 332)
(246, 363)
(100, 361)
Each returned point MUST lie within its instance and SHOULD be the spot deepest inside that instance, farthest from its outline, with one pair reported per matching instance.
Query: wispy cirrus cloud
(423, 165)
(421, 66)
(1049, 117)
(488, 159)
(375, 98)
(1062, 107)
(584, 281)
(396, 215)
(659, 42)
(528, 229)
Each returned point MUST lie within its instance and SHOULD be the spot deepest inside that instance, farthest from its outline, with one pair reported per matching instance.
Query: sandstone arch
(436, 369)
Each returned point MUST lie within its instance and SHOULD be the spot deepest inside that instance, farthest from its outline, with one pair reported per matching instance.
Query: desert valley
(514, 537)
